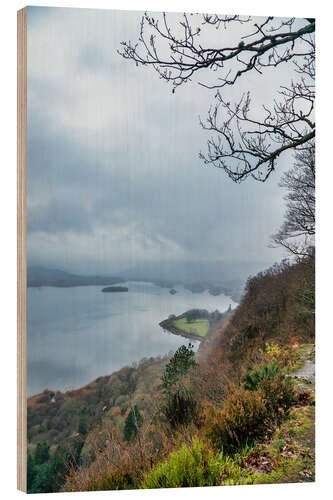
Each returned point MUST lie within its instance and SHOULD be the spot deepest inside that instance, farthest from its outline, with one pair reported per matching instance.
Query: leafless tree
(242, 143)
(297, 232)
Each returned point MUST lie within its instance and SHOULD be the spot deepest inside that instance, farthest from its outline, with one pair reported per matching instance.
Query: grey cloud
(113, 161)
(59, 215)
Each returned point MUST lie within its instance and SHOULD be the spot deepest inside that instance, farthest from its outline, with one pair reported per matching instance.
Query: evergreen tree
(178, 366)
(41, 453)
(74, 453)
(179, 406)
(132, 424)
(31, 471)
(59, 467)
(82, 428)
(44, 479)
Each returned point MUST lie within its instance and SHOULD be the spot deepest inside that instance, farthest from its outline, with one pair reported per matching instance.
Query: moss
(297, 464)
(287, 472)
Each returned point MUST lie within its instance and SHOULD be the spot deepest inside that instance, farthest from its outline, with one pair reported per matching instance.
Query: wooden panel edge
(21, 249)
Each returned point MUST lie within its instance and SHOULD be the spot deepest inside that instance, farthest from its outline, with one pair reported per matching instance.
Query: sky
(114, 176)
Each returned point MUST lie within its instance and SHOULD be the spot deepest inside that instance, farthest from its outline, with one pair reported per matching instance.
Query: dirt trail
(307, 371)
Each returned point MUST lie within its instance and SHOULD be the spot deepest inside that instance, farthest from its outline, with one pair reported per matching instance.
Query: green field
(198, 326)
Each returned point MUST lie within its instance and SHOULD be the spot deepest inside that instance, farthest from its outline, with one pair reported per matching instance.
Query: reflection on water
(77, 334)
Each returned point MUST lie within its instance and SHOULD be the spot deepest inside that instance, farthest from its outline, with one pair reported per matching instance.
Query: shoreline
(167, 325)
(234, 295)
(165, 343)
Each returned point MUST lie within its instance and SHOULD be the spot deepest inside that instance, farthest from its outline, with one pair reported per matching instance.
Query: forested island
(115, 289)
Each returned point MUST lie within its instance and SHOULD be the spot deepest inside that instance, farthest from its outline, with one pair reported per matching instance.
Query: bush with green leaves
(249, 410)
(120, 478)
(180, 408)
(279, 394)
(195, 465)
(276, 388)
(255, 376)
(242, 419)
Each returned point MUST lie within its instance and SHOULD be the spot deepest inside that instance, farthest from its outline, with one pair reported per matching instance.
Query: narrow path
(307, 371)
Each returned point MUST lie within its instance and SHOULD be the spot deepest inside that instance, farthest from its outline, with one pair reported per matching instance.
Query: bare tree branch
(242, 145)
(297, 231)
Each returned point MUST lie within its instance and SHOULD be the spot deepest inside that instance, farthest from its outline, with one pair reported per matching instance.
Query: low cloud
(113, 169)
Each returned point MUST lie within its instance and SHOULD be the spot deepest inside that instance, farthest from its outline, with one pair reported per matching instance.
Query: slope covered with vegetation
(232, 414)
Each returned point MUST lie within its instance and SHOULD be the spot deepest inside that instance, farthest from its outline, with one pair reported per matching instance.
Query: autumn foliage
(188, 418)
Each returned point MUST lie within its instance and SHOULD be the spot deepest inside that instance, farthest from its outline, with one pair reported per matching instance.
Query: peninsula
(193, 324)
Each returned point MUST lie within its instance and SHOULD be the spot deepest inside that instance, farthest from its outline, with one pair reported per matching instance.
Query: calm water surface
(77, 334)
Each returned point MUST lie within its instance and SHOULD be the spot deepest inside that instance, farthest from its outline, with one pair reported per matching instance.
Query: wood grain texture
(21, 250)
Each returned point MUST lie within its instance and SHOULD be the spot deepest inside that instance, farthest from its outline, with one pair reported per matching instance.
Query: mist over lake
(77, 334)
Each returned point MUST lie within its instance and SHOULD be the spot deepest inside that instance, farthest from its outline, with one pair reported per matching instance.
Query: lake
(77, 334)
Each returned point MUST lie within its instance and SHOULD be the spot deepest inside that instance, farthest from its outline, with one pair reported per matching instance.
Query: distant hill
(40, 276)
(172, 272)
(215, 276)
(197, 276)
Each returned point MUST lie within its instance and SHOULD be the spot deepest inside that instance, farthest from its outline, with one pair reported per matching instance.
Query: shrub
(248, 411)
(189, 466)
(276, 389)
(122, 478)
(272, 350)
(254, 377)
(242, 419)
(180, 408)
(285, 356)
(107, 472)
(279, 394)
